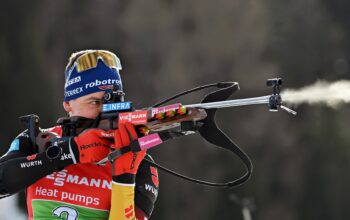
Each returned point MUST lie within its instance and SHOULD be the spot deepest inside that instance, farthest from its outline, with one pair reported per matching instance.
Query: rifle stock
(75, 125)
(155, 125)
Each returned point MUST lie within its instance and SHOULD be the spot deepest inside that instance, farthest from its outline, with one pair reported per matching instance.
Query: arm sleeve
(21, 166)
(130, 201)
(122, 207)
(147, 187)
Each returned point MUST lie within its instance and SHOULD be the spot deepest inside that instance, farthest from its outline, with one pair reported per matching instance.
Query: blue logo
(14, 145)
(118, 106)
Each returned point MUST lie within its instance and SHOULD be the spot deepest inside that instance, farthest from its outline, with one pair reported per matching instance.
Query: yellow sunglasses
(89, 60)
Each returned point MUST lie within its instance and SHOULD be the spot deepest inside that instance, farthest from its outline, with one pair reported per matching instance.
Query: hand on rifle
(126, 166)
(91, 146)
(124, 172)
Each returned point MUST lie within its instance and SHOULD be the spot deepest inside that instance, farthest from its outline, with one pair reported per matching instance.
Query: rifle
(162, 123)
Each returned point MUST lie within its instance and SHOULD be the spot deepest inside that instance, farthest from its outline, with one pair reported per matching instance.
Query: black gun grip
(32, 123)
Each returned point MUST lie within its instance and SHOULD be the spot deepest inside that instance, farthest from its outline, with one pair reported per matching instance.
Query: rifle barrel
(232, 103)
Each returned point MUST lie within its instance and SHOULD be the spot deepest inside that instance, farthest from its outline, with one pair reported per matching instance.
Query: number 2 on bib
(71, 213)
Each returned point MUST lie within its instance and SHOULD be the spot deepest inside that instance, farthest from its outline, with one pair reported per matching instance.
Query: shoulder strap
(210, 132)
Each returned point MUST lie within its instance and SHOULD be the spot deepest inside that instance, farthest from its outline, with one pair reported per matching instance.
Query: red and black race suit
(62, 189)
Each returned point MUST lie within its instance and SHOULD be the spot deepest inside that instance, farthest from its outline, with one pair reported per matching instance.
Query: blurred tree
(168, 46)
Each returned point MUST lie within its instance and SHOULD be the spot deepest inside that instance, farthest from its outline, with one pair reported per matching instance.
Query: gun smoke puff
(332, 94)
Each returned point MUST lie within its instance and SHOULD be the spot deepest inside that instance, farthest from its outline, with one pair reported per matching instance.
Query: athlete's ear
(67, 107)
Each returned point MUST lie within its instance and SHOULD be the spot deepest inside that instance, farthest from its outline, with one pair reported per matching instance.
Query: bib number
(69, 212)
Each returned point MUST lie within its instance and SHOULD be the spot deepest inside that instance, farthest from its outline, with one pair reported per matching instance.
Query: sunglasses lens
(90, 60)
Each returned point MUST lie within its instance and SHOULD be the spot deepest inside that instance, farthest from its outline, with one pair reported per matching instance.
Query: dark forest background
(166, 46)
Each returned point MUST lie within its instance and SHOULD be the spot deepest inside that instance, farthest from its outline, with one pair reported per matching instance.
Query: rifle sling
(210, 132)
